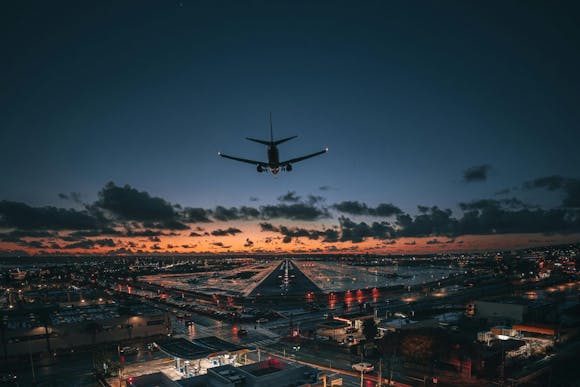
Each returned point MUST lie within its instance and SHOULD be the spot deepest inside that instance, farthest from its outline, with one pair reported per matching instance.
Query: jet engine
(288, 168)
(259, 169)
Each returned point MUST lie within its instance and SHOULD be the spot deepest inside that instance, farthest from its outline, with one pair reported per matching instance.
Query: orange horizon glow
(271, 243)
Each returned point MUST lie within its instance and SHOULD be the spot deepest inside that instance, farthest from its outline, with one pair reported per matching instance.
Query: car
(363, 367)
(242, 332)
(189, 323)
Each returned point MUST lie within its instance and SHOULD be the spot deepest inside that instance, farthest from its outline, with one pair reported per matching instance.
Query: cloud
(248, 243)
(73, 196)
(254, 199)
(233, 213)
(220, 244)
(196, 215)
(498, 217)
(229, 231)
(357, 232)
(327, 188)
(144, 233)
(476, 173)
(265, 226)
(315, 199)
(327, 235)
(412, 243)
(167, 225)
(127, 203)
(296, 211)
(91, 243)
(290, 197)
(431, 221)
(433, 242)
(357, 208)
(22, 216)
(15, 235)
(570, 187)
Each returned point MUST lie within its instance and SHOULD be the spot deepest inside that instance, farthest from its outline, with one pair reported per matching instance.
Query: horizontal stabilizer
(284, 140)
(258, 141)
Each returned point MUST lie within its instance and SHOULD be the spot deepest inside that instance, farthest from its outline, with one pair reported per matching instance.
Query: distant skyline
(452, 126)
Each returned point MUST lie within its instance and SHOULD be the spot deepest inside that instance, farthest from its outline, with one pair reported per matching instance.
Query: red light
(130, 380)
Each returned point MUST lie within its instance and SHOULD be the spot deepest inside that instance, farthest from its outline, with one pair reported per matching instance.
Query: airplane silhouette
(273, 164)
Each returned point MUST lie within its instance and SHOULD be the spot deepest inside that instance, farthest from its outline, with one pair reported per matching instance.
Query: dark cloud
(248, 243)
(233, 213)
(90, 243)
(357, 232)
(220, 244)
(195, 234)
(412, 243)
(167, 225)
(290, 197)
(570, 187)
(498, 217)
(327, 188)
(433, 242)
(155, 247)
(35, 244)
(155, 239)
(196, 215)
(130, 204)
(431, 221)
(315, 199)
(357, 208)
(254, 199)
(296, 211)
(327, 235)
(15, 235)
(22, 216)
(228, 231)
(265, 226)
(144, 233)
(476, 173)
(73, 196)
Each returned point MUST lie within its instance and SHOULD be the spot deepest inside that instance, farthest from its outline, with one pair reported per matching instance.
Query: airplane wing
(243, 160)
(297, 159)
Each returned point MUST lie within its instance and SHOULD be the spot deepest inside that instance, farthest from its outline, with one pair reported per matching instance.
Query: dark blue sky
(406, 95)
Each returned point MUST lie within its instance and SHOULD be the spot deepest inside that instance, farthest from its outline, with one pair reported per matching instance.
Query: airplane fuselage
(273, 158)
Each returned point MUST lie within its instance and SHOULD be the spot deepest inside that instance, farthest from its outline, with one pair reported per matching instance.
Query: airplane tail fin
(284, 140)
(271, 132)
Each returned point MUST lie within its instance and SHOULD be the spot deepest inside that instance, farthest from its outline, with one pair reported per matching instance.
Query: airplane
(273, 164)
